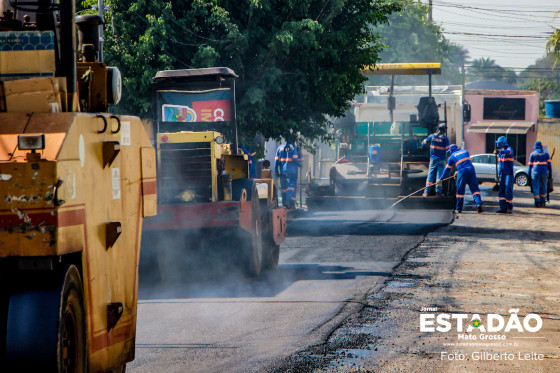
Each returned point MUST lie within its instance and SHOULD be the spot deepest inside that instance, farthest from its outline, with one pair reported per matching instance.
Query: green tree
(459, 57)
(543, 78)
(411, 37)
(487, 69)
(547, 88)
(542, 68)
(553, 44)
(297, 60)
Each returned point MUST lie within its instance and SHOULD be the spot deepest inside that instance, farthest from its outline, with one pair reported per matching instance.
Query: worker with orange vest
(466, 175)
(439, 144)
(286, 165)
(540, 170)
(504, 153)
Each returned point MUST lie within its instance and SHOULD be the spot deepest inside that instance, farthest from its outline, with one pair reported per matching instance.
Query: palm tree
(481, 68)
(487, 69)
(483, 63)
(553, 45)
(458, 55)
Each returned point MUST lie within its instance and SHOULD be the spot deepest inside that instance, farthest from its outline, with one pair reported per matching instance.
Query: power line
(507, 76)
(479, 25)
(497, 18)
(509, 47)
(444, 3)
(172, 19)
(490, 10)
(495, 35)
(532, 69)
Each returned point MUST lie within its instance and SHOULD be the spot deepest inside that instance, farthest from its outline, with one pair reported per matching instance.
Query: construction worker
(439, 144)
(465, 175)
(540, 169)
(286, 165)
(252, 157)
(504, 153)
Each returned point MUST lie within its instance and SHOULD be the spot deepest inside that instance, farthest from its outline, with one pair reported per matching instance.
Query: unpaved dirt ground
(481, 264)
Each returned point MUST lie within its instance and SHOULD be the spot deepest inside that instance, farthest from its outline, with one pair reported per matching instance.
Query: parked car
(485, 167)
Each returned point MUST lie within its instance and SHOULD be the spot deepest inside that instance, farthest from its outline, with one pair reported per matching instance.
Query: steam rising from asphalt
(196, 265)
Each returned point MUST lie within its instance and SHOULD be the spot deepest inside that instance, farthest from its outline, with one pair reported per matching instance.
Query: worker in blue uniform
(286, 165)
(540, 169)
(252, 158)
(439, 144)
(504, 153)
(465, 175)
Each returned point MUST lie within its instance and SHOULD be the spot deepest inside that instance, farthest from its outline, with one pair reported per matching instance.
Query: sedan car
(485, 167)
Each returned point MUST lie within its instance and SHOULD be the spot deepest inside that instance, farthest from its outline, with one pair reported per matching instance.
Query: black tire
(72, 328)
(522, 179)
(254, 247)
(250, 242)
(121, 369)
(47, 326)
(271, 251)
(237, 187)
(332, 181)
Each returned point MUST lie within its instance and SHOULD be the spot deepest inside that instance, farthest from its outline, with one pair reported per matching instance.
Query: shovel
(550, 185)
(418, 191)
(496, 187)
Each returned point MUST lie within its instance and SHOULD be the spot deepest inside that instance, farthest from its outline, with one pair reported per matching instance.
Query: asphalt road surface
(227, 323)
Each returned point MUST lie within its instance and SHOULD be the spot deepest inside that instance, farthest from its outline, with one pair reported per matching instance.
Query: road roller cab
(206, 199)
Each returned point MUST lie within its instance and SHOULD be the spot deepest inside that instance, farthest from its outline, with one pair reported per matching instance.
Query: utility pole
(100, 7)
(462, 134)
(430, 10)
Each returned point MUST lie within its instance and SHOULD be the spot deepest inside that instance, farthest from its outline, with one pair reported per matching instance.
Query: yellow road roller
(75, 185)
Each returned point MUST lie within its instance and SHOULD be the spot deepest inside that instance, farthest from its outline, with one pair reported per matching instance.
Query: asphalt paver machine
(378, 155)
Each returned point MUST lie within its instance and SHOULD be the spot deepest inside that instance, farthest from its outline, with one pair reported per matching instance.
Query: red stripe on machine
(149, 187)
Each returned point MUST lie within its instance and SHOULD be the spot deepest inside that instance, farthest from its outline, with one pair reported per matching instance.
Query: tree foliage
(411, 37)
(297, 60)
(543, 78)
(553, 43)
(487, 69)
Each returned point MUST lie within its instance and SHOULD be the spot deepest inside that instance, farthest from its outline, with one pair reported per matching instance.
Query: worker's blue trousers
(506, 192)
(467, 176)
(288, 185)
(540, 186)
(434, 172)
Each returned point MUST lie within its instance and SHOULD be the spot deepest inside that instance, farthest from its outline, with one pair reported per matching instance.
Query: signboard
(503, 108)
(196, 106)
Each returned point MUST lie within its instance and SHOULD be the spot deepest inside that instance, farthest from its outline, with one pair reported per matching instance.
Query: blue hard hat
(452, 148)
(501, 140)
(538, 145)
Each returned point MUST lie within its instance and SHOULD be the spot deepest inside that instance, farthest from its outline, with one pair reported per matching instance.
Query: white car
(485, 167)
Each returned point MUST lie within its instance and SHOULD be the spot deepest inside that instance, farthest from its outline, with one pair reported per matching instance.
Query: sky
(511, 32)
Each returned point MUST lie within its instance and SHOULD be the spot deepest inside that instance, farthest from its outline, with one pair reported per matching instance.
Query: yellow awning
(422, 68)
(505, 127)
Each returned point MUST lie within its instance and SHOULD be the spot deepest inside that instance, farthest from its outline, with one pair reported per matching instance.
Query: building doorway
(517, 142)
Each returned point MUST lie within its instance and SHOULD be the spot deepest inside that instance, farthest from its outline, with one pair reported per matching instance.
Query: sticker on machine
(70, 184)
(125, 133)
(116, 177)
